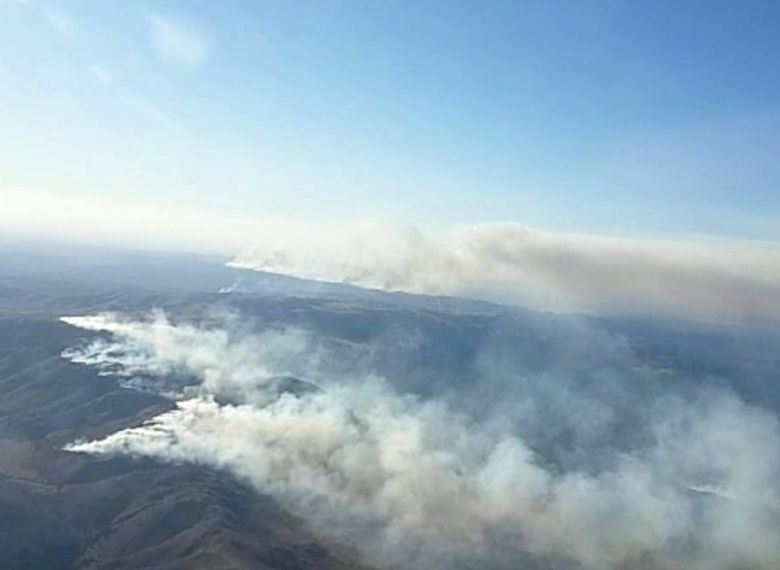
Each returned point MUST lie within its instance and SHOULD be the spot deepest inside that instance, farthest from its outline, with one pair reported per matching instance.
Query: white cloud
(61, 21)
(176, 42)
(140, 105)
(101, 74)
(153, 112)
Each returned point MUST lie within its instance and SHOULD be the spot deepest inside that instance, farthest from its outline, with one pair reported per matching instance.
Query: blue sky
(657, 118)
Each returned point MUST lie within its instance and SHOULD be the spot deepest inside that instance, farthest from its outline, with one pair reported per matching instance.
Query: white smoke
(418, 483)
(157, 348)
(515, 264)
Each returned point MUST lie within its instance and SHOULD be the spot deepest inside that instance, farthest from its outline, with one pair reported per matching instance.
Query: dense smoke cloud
(428, 482)
(515, 264)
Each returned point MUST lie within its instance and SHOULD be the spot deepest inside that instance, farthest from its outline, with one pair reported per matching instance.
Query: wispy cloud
(153, 112)
(61, 21)
(101, 74)
(177, 42)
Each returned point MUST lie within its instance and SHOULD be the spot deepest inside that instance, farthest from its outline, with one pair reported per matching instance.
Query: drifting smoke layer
(418, 483)
(511, 263)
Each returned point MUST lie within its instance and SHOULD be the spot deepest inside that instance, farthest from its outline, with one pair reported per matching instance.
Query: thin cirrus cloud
(101, 74)
(177, 42)
(62, 22)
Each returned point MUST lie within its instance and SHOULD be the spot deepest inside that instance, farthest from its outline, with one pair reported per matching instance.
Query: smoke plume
(511, 263)
(431, 482)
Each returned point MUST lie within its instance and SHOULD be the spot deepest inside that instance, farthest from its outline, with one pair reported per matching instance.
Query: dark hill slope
(60, 510)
